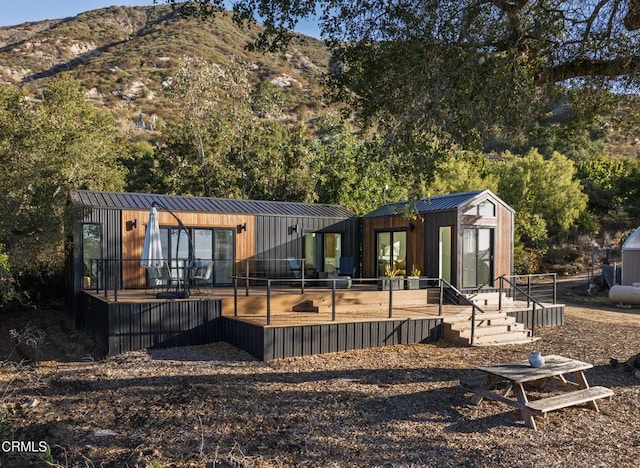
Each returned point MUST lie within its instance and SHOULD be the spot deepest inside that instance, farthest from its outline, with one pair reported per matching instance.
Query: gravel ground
(396, 406)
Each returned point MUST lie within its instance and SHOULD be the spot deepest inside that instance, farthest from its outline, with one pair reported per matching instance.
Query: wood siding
(415, 243)
(134, 276)
(503, 233)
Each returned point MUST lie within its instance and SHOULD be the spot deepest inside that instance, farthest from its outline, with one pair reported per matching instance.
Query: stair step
(490, 331)
(513, 342)
(502, 338)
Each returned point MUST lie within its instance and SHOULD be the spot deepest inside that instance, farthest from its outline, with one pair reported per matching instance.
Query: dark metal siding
(122, 326)
(110, 221)
(550, 316)
(276, 240)
(304, 340)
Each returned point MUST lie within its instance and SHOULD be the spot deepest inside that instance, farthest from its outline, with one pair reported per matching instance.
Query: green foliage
(218, 146)
(462, 172)
(544, 193)
(48, 148)
(461, 69)
(526, 261)
(600, 176)
(8, 291)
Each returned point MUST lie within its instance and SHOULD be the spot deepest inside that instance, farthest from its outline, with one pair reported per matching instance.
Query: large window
(215, 245)
(322, 251)
(391, 248)
(91, 255)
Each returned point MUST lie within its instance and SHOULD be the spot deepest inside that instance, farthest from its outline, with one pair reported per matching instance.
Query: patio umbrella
(152, 249)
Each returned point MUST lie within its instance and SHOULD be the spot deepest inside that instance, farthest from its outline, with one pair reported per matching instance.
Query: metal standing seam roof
(452, 201)
(143, 201)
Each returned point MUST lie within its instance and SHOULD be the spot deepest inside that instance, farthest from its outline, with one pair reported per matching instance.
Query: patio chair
(203, 276)
(159, 278)
(344, 273)
(347, 267)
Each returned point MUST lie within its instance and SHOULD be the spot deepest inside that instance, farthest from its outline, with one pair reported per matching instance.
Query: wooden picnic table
(516, 374)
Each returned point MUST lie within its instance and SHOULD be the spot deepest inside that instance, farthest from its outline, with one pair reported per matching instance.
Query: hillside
(125, 55)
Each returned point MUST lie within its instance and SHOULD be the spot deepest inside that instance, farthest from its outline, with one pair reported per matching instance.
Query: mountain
(125, 56)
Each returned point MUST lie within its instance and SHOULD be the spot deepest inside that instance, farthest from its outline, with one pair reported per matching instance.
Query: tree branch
(584, 67)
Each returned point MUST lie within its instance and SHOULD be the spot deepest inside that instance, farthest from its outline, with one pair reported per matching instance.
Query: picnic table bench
(514, 375)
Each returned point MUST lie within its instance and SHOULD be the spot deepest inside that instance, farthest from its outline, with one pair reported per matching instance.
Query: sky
(15, 12)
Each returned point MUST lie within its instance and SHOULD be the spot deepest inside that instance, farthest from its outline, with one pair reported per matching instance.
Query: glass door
(203, 250)
(477, 257)
(208, 244)
(223, 255)
(332, 252)
(92, 255)
(444, 253)
(391, 248)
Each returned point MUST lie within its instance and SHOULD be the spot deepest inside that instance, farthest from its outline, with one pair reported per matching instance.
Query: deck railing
(446, 292)
(517, 291)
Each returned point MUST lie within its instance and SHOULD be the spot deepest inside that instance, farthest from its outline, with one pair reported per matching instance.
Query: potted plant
(413, 280)
(390, 279)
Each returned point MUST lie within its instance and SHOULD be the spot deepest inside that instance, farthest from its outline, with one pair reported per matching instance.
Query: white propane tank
(624, 294)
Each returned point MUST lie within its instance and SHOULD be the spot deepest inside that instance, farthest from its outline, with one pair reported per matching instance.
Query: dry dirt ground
(396, 406)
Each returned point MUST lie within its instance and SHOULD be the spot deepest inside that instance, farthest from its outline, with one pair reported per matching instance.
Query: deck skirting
(268, 343)
(130, 326)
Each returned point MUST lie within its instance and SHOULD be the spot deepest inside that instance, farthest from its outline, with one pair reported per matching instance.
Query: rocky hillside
(126, 55)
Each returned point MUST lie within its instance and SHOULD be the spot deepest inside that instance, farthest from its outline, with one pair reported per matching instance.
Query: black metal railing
(105, 275)
(517, 292)
(446, 292)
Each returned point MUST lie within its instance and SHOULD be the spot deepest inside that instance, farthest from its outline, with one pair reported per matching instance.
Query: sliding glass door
(211, 244)
(391, 248)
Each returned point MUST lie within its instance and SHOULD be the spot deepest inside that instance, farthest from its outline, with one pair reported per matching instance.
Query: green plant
(391, 272)
(415, 271)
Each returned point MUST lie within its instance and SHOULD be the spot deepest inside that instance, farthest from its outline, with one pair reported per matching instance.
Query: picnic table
(515, 375)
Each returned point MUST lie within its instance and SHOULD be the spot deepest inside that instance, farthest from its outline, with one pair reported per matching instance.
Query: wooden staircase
(492, 327)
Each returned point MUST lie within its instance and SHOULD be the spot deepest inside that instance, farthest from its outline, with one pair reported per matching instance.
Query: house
(236, 234)
(464, 238)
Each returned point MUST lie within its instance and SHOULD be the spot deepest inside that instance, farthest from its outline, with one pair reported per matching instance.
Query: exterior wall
(423, 240)
(503, 232)
(370, 228)
(134, 276)
(433, 223)
(275, 240)
(110, 220)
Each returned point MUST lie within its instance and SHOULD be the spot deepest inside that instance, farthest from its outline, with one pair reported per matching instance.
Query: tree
(545, 194)
(47, 148)
(226, 141)
(462, 172)
(464, 69)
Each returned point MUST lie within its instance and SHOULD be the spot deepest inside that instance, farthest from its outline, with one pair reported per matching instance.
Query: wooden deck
(299, 324)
